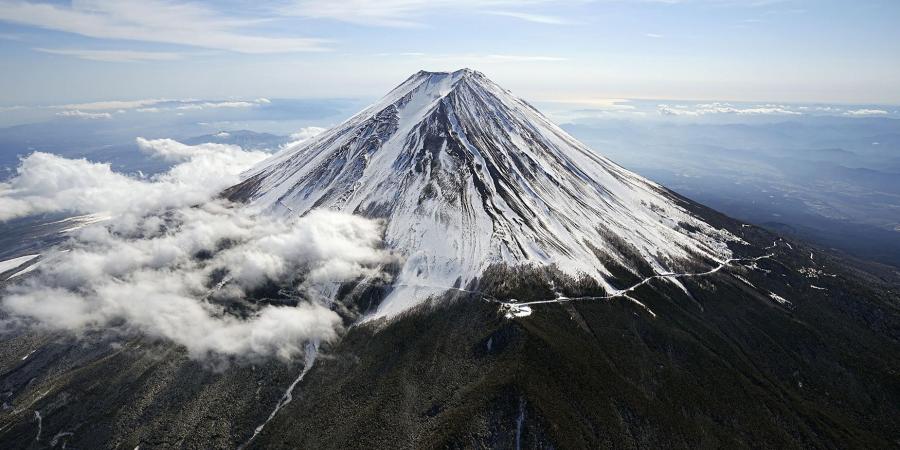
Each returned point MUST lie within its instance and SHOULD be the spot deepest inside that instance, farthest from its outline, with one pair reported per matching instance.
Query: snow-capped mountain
(467, 175)
(754, 339)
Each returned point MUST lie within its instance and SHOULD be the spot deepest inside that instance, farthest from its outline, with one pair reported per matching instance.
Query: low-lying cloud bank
(865, 112)
(725, 108)
(46, 182)
(173, 255)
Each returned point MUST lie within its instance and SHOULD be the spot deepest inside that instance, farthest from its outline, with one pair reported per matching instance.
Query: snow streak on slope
(10, 264)
(467, 175)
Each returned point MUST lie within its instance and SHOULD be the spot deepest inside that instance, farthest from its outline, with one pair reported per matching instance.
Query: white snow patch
(779, 299)
(312, 351)
(747, 282)
(59, 436)
(11, 264)
(40, 423)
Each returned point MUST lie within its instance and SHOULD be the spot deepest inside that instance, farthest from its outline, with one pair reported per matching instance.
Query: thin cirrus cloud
(154, 21)
(410, 13)
(519, 58)
(113, 55)
(530, 17)
(464, 59)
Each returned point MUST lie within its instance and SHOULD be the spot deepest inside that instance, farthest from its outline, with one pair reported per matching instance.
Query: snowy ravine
(466, 175)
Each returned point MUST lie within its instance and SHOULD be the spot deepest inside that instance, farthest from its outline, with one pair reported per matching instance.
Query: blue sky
(567, 51)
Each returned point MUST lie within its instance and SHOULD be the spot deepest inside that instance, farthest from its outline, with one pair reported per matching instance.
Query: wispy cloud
(746, 3)
(611, 104)
(388, 13)
(150, 105)
(865, 112)
(225, 104)
(304, 134)
(76, 113)
(654, 35)
(114, 104)
(409, 13)
(113, 55)
(529, 17)
(520, 58)
(169, 22)
(464, 58)
(725, 108)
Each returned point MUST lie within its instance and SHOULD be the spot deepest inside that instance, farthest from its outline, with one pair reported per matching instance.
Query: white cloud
(146, 277)
(472, 59)
(83, 115)
(408, 54)
(654, 35)
(205, 105)
(406, 13)
(113, 55)
(865, 112)
(568, 109)
(140, 271)
(725, 108)
(168, 22)
(50, 183)
(160, 104)
(303, 135)
(611, 104)
(225, 104)
(114, 104)
(519, 58)
(750, 3)
(306, 133)
(667, 110)
(528, 17)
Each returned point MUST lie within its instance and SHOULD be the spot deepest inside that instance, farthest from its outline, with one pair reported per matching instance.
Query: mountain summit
(467, 175)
